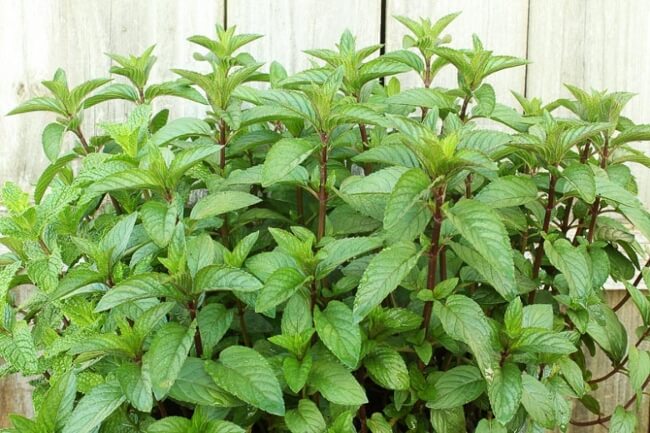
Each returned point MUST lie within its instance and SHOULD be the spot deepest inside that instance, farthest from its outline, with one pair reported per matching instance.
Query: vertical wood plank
(289, 27)
(593, 44)
(74, 35)
(37, 36)
(501, 25)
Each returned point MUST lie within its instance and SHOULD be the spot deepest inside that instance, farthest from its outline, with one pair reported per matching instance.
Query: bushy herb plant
(325, 251)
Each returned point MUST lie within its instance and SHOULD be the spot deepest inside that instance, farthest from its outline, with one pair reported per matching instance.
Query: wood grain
(500, 24)
(289, 27)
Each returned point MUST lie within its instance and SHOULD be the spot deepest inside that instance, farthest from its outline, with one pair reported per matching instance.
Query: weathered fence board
(592, 43)
(289, 27)
(37, 36)
(500, 24)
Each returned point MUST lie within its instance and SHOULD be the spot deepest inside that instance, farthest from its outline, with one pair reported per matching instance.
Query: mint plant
(325, 251)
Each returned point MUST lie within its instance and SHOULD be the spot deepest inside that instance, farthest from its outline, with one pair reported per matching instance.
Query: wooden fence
(591, 43)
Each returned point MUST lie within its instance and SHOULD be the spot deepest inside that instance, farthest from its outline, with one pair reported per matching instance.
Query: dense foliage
(324, 252)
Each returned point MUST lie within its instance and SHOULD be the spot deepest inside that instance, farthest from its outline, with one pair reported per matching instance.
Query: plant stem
(82, 139)
(539, 254)
(198, 343)
(635, 283)
(322, 189)
(434, 252)
(621, 364)
(242, 323)
(223, 141)
(367, 167)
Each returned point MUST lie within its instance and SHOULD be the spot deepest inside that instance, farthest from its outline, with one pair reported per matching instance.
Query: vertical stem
(595, 208)
(82, 139)
(463, 118)
(242, 323)
(550, 204)
(367, 168)
(198, 343)
(223, 141)
(434, 252)
(322, 189)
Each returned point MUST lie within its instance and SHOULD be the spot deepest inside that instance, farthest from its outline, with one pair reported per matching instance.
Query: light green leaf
(296, 372)
(622, 421)
(136, 385)
(575, 265)
(58, 403)
(284, 156)
(245, 373)
(194, 385)
(159, 221)
(538, 401)
(505, 391)
(464, 320)
(490, 426)
(341, 250)
(387, 368)
(407, 213)
(639, 368)
(482, 227)
(218, 277)
(339, 332)
(52, 138)
(279, 287)
(19, 349)
(580, 178)
(384, 273)
(305, 419)
(219, 203)
(457, 387)
(508, 191)
(181, 128)
(94, 408)
(336, 384)
(167, 354)
(142, 286)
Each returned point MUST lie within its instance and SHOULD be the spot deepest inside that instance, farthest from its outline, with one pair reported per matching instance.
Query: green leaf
(606, 329)
(457, 387)
(279, 287)
(58, 402)
(407, 213)
(159, 221)
(136, 385)
(219, 203)
(464, 320)
(338, 331)
(166, 355)
(341, 250)
(172, 424)
(194, 385)
(505, 392)
(112, 92)
(296, 372)
(427, 98)
(19, 349)
(130, 179)
(245, 373)
(639, 368)
(448, 420)
(52, 138)
(490, 426)
(305, 419)
(580, 178)
(214, 320)
(39, 104)
(538, 401)
(284, 156)
(482, 227)
(387, 368)
(49, 174)
(508, 191)
(384, 273)
(218, 277)
(622, 421)
(94, 408)
(395, 154)
(142, 286)
(575, 265)
(179, 129)
(336, 384)
(533, 340)
(486, 100)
